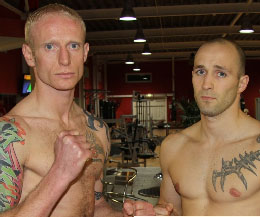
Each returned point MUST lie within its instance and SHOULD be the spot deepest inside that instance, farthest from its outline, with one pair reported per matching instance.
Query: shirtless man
(52, 152)
(213, 167)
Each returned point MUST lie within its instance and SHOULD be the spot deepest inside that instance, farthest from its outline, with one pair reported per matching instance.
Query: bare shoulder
(174, 142)
(96, 124)
(100, 129)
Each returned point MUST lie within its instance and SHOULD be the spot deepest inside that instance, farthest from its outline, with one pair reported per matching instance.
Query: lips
(65, 74)
(207, 98)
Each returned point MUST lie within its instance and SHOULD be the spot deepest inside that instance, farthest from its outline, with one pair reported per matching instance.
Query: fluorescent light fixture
(136, 68)
(246, 26)
(146, 50)
(129, 59)
(139, 37)
(128, 13)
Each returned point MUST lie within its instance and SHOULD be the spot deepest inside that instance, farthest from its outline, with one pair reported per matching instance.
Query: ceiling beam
(181, 31)
(13, 9)
(176, 10)
(158, 46)
(163, 56)
(10, 43)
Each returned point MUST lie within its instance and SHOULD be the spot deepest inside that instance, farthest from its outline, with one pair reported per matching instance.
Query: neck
(53, 104)
(223, 127)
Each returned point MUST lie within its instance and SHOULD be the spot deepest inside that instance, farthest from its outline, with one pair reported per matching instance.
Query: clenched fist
(71, 153)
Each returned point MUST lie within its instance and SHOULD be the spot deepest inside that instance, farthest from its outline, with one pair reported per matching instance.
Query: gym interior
(140, 107)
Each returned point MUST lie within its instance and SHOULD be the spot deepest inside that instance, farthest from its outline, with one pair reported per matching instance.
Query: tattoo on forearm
(10, 170)
(98, 195)
(235, 166)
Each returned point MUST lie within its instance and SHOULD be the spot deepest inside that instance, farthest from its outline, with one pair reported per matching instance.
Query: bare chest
(223, 175)
(41, 158)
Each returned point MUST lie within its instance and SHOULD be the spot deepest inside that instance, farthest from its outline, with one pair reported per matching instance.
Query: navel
(177, 188)
(234, 192)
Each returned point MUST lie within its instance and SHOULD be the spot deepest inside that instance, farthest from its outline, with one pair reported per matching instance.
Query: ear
(28, 55)
(243, 81)
(86, 49)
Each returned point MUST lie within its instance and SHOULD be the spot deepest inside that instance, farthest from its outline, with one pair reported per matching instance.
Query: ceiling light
(129, 59)
(246, 26)
(139, 37)
(136, 68)
(146, 50)
(128, 13)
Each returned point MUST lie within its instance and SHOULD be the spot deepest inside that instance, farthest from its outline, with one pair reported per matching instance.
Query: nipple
(234, 192)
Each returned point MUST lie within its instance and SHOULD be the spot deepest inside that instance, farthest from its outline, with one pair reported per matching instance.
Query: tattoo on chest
(95, 146)
(10, 170)
(91, 138)
(234, 166)
(91, 125)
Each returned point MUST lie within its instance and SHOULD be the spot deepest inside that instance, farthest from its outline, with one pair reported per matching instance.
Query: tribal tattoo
(91, 125)
(235, 166)
(92, 139)
(10, 170)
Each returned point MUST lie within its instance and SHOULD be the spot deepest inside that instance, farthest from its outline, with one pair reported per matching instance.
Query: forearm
(102, 208)
(41, 201)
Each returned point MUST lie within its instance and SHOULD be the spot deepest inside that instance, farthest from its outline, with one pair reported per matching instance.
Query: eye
(200, 72)
(49, 46)
(222, 74)
(74, 46)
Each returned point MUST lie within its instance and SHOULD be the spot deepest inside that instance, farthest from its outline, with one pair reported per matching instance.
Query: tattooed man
(213, 167)
(51, 152)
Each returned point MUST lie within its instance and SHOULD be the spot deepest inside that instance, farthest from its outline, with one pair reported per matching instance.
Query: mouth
(65, 75)
(207, 98)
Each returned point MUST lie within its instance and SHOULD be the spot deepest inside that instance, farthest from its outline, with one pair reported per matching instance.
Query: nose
(64, 56)
(208, 82)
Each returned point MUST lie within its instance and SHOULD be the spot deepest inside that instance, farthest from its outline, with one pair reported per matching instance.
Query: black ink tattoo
(95, 146)
(258, 139)
(91, 125)
(235, 166)
(98, 195)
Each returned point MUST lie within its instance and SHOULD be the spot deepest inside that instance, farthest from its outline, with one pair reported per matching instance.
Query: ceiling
(173, 28)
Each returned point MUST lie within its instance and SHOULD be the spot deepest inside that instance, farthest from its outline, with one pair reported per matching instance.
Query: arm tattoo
(10, 170)
(235, 166)
(98, 195)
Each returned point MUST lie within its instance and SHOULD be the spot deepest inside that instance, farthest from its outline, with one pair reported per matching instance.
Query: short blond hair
(50, 9)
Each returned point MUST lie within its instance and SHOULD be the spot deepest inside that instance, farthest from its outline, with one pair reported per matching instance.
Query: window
(138, 77)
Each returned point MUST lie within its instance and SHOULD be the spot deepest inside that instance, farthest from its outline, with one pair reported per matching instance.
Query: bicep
(168, 193)
(11, 172)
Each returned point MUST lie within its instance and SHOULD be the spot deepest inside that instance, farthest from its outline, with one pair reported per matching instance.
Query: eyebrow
(215, 66)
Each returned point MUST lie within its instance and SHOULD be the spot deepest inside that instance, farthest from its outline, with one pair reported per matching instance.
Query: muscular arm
(11, 177)
(168, 193)
(41, 201)
(102, 208)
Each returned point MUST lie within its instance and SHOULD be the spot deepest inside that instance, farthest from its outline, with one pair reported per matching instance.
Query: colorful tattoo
(98, 195)
(10, 170)
(235, 166)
